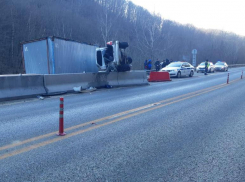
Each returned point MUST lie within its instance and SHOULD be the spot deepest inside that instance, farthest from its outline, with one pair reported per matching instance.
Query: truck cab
(113, 57)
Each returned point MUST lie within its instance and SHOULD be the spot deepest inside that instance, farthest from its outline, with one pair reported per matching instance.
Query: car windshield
(202, 64)
(220, 63)
(175, 65)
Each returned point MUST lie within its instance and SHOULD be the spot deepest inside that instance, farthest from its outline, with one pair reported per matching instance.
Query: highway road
(189, 129)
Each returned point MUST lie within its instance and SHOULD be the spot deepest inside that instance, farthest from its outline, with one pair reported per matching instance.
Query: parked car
(221, 66)
(179, 69)
(201, 67)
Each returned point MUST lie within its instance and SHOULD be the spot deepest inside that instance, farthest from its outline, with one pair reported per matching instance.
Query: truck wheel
(130, 60)
(123, 45)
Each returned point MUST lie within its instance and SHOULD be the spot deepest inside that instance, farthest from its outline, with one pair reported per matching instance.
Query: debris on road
(80, 90)
(108, 86)
(40, 97)
(77, 89)
(90, 89)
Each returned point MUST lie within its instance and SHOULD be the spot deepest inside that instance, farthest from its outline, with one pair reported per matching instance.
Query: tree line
(150, 36)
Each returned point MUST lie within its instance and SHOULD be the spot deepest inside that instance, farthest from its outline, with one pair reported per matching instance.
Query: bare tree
(98, 21)
(108, 18)
(13, 31)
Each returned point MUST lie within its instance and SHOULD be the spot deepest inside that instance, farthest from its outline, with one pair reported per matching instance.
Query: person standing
(149, 65)
(145, 64)
(157, 65)
(206, 67)
(163, 63)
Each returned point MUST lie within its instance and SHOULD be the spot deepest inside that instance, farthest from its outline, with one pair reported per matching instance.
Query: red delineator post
(242, 75)
(61, 118)
(228, 78)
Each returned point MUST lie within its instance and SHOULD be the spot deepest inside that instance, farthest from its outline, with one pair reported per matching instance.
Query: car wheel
(179, 74)
(191, 74)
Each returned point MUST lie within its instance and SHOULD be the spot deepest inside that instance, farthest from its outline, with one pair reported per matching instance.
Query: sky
(227, 15)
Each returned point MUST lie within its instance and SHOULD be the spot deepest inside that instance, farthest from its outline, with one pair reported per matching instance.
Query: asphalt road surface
(189, 129)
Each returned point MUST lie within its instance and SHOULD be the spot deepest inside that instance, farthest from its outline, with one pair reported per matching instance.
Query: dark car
(221, 66)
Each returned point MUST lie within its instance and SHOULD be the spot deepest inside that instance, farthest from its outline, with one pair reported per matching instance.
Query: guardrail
(236, 65)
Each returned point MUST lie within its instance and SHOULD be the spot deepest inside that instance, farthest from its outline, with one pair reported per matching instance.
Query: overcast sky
(227, 15)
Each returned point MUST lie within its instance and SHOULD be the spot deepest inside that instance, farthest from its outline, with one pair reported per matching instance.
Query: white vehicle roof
(177, 64)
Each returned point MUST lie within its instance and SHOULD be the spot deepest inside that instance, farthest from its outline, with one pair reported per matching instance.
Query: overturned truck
(54, 55)
(113, 57)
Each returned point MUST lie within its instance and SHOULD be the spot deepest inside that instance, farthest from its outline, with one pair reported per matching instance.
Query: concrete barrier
(66, 82)
(101, 79)
(112, 79)
(30, 85)
(18, 86)
(132, 78)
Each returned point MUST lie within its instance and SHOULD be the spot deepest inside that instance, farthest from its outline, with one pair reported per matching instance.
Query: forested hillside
(98, 21)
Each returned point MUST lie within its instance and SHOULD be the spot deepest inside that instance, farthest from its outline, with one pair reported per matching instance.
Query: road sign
(194, 51)
(194, 58)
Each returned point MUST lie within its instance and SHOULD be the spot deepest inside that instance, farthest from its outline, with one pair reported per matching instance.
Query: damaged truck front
(113, 57)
